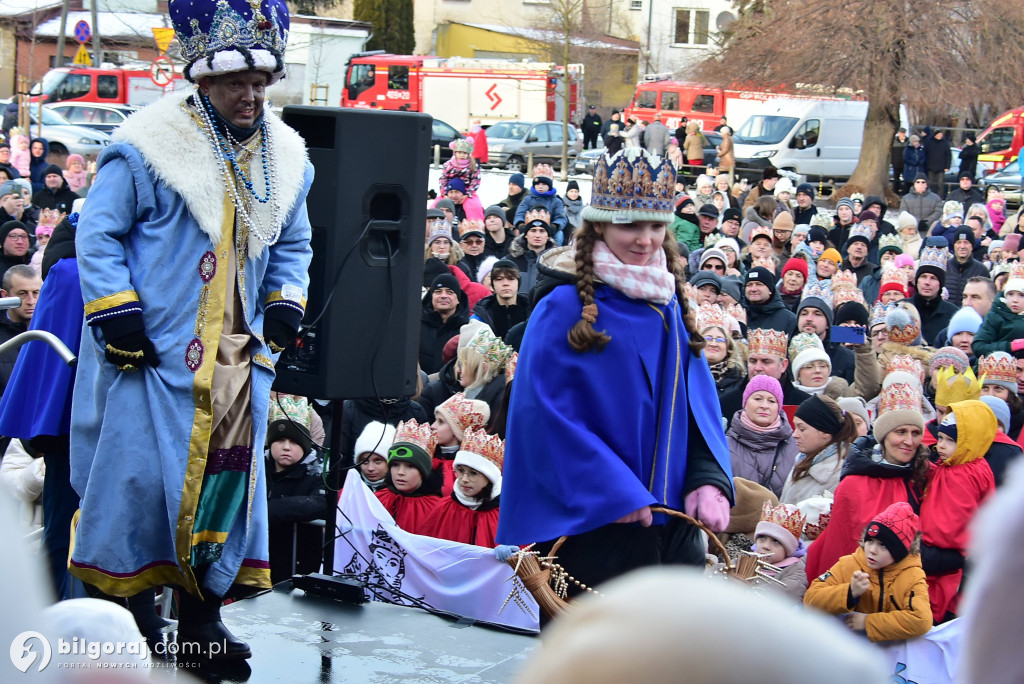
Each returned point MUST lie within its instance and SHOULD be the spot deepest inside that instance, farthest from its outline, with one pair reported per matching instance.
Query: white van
(813, 138)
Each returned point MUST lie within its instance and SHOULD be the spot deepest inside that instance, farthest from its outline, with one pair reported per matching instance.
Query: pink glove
(640, 515)
(1017, 345)
(707, 504)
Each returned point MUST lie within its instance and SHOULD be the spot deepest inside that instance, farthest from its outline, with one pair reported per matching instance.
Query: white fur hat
(376, 438)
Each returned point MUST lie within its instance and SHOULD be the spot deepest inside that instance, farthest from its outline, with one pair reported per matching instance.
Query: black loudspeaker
(367, 207)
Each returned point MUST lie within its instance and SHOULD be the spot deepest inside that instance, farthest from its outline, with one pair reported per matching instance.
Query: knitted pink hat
(763, 383)
(903, 260)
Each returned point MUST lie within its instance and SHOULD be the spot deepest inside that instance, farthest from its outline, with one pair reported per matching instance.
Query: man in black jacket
(506, 307)
(805, 208)
(498, 238)
(56, 194)
(929, 281)
(938, 158)
(765, 308)
(966, 194)
(962, 266)
(445, 311)
(591, 128)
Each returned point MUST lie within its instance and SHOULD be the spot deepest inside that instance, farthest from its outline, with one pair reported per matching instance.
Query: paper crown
(842, 279)
(631, 186)
(813, 530)
(786, 516)
(768, 341)
(223, 36)
(765, 262)
(801, 343)
(490, 347)
(543, 171)
(49, 218)
(951, 387)
(510, 367)
(822, 220)
(461, 145)
(843, 295)
(899, 396)
(857, 197)
(859, 230)
(490, 447)
(1016, 269)
(761, 231)
(440, 228)
(418, 434)
(463, 413)
(470, 225)
(712, 316)
(905, 363)
(879, 312)
(890, 241)
(712, 240)
(894, 275)
(998, 368)
(290, 407)
(822, 289)
(737, 311)
(903, 328)
(936, 257)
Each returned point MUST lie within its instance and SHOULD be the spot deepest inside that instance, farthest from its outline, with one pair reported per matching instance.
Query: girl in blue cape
(614, 409)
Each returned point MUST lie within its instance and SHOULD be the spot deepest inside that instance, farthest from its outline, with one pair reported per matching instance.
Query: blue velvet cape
(594, 436)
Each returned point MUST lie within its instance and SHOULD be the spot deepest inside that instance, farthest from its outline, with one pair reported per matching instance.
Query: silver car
(510, 144)
(64, 137)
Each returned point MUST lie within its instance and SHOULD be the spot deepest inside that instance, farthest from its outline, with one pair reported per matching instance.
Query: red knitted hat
(898, 523)
(795, 264)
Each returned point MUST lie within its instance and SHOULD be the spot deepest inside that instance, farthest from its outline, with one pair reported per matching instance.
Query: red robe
(953, 496)
(447, 467)
(411, 513)
(858, 498)
(458, 523)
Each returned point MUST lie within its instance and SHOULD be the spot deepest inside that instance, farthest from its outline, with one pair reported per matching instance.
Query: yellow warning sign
(163, 37)
(82, 57)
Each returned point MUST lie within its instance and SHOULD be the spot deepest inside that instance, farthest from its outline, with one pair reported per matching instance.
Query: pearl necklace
(223, 150)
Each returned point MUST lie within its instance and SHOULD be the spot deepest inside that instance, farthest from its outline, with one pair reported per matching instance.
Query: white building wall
(653, 23)
(316, 55)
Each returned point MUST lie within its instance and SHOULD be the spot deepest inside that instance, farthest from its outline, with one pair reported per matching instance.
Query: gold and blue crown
(879, 310)
(224, 36)
(936, 257)
(822, 289)
(631, 186)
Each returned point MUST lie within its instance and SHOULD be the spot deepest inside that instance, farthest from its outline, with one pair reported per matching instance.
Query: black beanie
(934, 270)
(53, 168)
(282, 429)
(414, 455)
(572, 185)
(432, 269)
(446, 280)
(851, 311)
(816, 303)
(762, 275)
(6, 229)
(539, 222)
(889, 539)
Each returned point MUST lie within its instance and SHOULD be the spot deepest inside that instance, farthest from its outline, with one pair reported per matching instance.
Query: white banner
(409, 569)
(931, 659)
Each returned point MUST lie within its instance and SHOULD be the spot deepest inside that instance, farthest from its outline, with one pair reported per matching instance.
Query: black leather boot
(202, 635)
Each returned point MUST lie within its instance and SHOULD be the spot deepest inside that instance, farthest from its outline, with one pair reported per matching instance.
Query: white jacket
(23, 477)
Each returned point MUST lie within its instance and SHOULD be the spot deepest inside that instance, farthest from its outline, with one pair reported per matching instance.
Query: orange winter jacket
(897, 602)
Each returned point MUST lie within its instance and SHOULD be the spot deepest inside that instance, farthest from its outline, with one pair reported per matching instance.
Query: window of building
(692, 26)
(636, 4)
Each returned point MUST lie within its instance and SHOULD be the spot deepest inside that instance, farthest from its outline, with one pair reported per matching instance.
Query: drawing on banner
(386, 571)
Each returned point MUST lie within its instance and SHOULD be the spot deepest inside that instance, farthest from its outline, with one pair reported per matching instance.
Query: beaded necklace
(224, 147)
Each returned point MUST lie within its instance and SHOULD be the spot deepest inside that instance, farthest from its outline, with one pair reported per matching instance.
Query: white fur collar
(163, 131)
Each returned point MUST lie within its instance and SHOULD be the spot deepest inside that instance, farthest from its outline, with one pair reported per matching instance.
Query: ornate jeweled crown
(802, 342)
(712, 316)
(899, 397)
(462, 145)
(737, 311)
(998, 368)
(440, 228)
(761, 231)
(490, 347)
(951, 387)
(905, 363)
(936, 257)
(631, 186)
(510, 367)
(822, 289)
(256, 31)
(894, 275)
(842, 279)
(890, 240)
(903, 328)
(786, 516)
(843, 295)
(482, 444)
(420, 434)
(463, 411)
(768, 341)
(290, 407)
(879, 312)
(49, 218)
(861, 231)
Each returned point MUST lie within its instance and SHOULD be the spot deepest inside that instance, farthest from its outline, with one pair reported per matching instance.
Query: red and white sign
(161, 71)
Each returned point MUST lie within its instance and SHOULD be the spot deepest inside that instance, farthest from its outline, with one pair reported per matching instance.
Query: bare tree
(893, 52)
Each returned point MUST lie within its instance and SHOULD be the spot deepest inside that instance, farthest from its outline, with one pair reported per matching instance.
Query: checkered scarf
(652, 283)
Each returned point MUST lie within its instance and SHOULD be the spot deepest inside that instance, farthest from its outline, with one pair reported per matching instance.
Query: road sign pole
(59, 56)
(97, 53)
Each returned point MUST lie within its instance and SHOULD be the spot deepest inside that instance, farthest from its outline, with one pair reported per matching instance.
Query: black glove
(280, 326)
(128, 348)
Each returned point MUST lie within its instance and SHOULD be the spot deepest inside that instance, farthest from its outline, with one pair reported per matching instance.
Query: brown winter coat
(693, 144)
(726, 157)
(897, 602)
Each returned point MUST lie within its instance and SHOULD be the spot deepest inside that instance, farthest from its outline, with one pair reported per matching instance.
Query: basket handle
(712, 537)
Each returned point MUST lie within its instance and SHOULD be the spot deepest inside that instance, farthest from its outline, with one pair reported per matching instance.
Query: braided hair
(583, 336)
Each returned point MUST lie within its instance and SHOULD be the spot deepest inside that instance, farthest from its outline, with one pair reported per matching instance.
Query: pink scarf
(652, 282)
(747, 423)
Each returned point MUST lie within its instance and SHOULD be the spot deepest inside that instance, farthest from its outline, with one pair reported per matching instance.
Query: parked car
(100, 117)
(442, 134)
(1008, 179)
(586, 159)
(510, 144)
(65, 138)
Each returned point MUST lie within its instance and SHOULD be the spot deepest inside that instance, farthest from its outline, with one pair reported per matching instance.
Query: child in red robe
(412, 488)
(470, 514)
(451, 421)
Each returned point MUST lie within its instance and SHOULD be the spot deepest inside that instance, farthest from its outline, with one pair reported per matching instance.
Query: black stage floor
(304, 639)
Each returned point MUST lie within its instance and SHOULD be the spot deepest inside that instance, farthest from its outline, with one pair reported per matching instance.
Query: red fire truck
(458, 90)
(128, 85)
